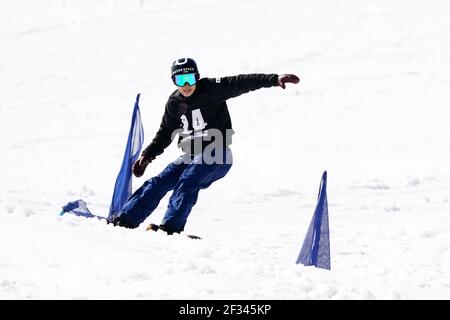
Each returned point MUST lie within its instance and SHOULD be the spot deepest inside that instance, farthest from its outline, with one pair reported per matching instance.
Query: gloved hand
(139, 166)
(285, 78)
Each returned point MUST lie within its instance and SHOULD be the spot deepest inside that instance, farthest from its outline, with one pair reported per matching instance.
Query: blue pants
(185, 179)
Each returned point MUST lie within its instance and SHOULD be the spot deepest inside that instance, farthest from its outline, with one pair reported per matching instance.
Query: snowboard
(155, 228)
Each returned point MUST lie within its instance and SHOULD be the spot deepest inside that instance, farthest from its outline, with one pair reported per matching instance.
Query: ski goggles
(181, 79)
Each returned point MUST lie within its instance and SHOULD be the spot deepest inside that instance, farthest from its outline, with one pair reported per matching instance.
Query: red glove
(285, 78)
(139, 166)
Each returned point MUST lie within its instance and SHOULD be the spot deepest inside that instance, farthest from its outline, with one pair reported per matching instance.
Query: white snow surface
(372, 109)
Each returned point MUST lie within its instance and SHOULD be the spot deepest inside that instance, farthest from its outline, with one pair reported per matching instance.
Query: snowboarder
(198, 112)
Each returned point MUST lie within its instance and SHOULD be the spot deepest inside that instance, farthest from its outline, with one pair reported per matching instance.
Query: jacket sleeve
(230, 87)
(163, 137)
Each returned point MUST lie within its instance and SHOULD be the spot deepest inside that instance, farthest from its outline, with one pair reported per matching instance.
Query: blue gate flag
(316, 246)
(122, 189)
(80, 209)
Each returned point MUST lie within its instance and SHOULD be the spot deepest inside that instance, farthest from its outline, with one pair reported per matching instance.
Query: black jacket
(191, 117)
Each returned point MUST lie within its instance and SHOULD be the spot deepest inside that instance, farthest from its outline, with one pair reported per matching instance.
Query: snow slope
(371, 109)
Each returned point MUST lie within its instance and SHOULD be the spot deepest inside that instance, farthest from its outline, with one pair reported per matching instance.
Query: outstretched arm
(230, 87)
